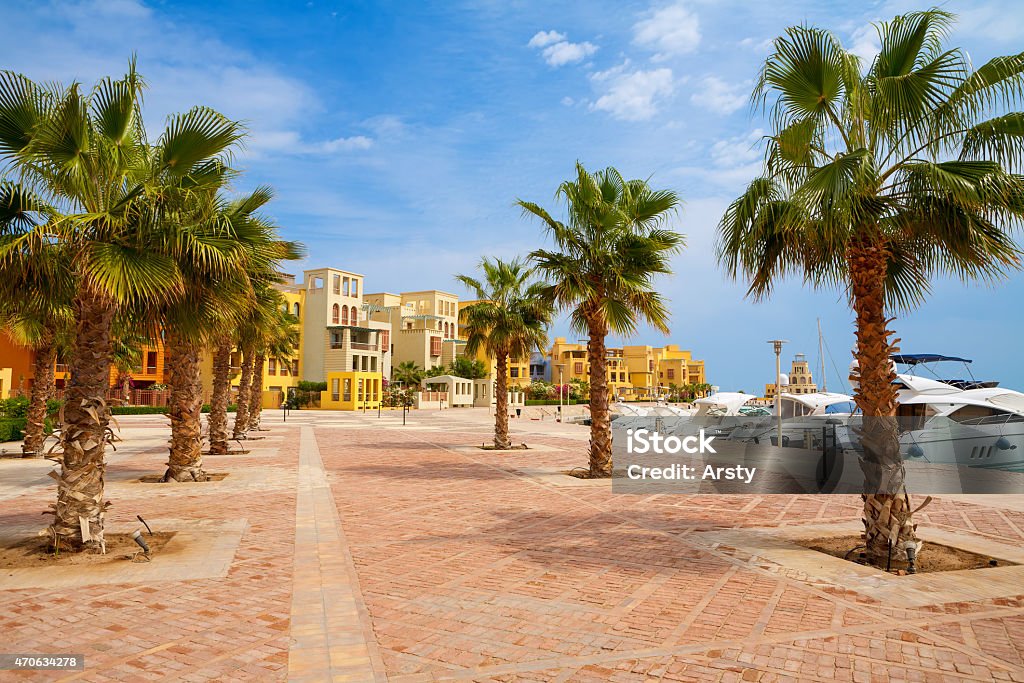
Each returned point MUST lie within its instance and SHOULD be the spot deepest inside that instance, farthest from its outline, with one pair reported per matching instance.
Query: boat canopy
(726, 401)
(917, 358)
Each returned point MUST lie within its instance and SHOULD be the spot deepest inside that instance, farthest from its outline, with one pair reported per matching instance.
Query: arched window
(295, 309)
(335, 313)
(344, 315)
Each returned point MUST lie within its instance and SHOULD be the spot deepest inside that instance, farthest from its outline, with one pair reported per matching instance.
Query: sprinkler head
(911, 549)
(137, 537)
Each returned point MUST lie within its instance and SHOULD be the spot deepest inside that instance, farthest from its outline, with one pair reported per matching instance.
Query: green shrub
(14, 407)
(311, 386)
(155, 410)
(554, 402)
(12, 429)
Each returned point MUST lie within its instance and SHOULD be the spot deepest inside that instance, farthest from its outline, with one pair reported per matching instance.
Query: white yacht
(803, 418)
(957, 421)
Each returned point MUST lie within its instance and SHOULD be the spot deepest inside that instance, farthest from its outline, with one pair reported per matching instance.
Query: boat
(803, 418)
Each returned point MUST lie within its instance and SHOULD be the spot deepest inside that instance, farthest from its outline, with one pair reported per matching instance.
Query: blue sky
(397, 136)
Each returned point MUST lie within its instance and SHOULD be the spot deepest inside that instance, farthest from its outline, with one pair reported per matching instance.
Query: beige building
(800, 379)
(424, 325)
(338, 334)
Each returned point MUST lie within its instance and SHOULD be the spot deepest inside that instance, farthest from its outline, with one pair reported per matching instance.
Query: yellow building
(423, 325)
(352, 391)
(569, 362)
(640, 372)
(518, 368)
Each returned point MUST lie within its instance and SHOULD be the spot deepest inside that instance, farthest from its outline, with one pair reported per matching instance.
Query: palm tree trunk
(80, 508)
(218, 419)
(501, 440)
(244, 386)
(256, 393)
(42, 384)
(887, 514)
(600, 420)
(186, 404)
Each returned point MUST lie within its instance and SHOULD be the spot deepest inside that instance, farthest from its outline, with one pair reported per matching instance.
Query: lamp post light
(777, 343)
(561, 390)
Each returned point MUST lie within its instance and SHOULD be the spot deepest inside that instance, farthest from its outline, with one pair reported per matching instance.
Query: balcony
(363, 346)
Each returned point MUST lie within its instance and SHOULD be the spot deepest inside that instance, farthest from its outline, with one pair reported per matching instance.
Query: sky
(397, 137)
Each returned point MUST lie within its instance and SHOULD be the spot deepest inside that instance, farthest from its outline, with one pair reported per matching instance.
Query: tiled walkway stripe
(329, 626)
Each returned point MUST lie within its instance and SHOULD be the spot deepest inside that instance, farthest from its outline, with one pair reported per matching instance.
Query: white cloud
(568, 101)
(671, 30)
(633, 95)
(719, 96)
(557, 50)
(543, 38)
(290, 142)
(865, 44)
(567, 53)
(737, 151)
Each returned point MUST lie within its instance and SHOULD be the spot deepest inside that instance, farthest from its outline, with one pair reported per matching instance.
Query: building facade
(424, 326)
(798, 381)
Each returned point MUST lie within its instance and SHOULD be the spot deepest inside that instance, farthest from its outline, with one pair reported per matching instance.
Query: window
(360, 395)
(355, 363)
(373, 363)
(345, 287)
(295, 368)
(272, 366)
(335, 313)
(513, 372)
(650, 366)
(355, 287)
(334, 389)
(344, 315)
(671, 373)
(435, 346)
(348, 390)
(151, 362)
(366, 363)
(385, 340)
(295, 310)
(337, 284)
(578, 368)
(446, 335)
(284, 368)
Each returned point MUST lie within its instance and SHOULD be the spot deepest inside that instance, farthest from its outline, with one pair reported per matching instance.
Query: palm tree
(509, 320)
(608, 255)
(260, 322)
(264, 252)
(88, 156)
(280, 343)
(407, 373)
(876, 180)
(35, 300)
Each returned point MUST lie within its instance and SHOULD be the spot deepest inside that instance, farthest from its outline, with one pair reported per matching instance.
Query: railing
(337, 345)
(60, 367)
(361, 346)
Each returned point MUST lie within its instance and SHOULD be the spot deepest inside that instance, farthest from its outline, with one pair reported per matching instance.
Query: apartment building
(633, 371)
(424, 325)
(338, 334)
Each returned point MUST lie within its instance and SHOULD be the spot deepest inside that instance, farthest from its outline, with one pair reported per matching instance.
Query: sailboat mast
(821, 356)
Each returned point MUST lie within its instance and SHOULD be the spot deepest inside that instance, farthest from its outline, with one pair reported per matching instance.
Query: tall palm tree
(509, 320)
(87, 154)
(259, 323)
(407, 373)
(607, 256)
(263, 254)
(878, 179)
(35, 299)
(280, 343)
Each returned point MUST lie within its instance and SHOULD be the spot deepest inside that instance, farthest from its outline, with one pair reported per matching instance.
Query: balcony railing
(361, 346)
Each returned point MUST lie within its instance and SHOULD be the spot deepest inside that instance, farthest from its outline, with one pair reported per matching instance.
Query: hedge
(551, 402)
(154, 410)
(12, 428)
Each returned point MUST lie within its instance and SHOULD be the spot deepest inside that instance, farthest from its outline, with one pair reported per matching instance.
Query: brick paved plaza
(348, 548)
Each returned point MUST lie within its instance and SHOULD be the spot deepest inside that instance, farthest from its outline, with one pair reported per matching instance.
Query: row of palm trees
(877, 178)
(105, 234)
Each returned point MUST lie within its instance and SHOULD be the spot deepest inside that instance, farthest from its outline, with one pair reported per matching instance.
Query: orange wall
(19, 359)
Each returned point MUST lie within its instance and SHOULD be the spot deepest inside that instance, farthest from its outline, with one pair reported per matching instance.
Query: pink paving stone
(458, 567)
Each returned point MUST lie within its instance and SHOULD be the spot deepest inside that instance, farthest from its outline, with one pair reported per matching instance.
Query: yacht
(966, 422)
(804, 417)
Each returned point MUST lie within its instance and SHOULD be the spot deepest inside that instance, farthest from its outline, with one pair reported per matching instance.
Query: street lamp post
(777, 343)
(561, 390)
